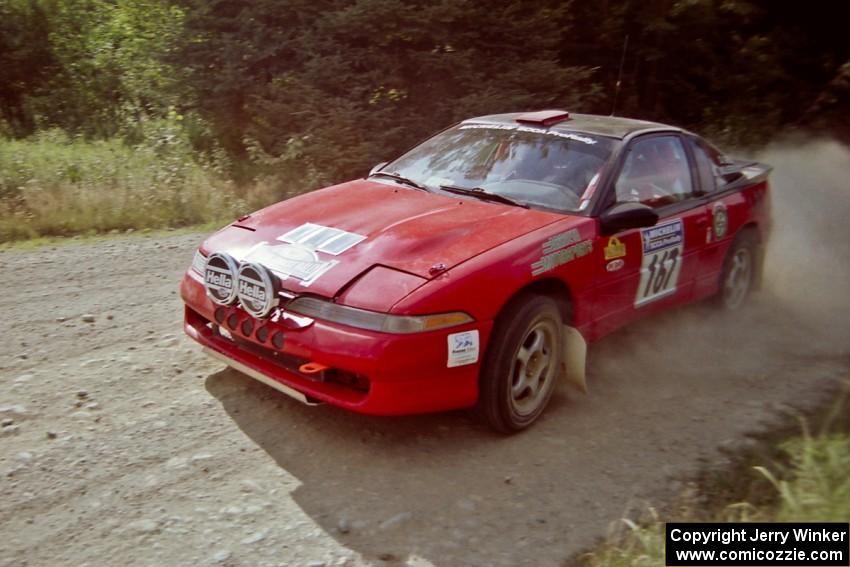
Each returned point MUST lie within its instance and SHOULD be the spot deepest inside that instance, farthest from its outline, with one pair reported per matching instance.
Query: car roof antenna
(619, 75)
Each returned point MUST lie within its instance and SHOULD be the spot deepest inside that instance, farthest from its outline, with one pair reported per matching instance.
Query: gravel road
(123, 445)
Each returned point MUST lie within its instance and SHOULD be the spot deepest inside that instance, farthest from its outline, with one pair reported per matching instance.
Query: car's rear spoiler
(740, 173)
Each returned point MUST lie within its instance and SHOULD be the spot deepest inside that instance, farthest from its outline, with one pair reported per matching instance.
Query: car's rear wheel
(522, 364)
(739, 272)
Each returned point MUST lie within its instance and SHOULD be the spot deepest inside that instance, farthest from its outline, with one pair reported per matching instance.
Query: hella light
(199, 262)
(362, 319)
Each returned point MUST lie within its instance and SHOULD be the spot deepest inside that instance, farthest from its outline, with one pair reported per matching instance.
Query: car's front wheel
(522, 364)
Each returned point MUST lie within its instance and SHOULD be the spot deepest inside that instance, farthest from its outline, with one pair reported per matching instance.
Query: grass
(810, 484)
(52, 185)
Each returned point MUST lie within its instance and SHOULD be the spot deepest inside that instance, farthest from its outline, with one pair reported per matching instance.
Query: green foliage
(355, 83)
(373, 76)
(819, 487)
(26, 62)
(640, 546)
(53, 184)
(813, 487)
(289, 96)
(736, 70)
(91, 67)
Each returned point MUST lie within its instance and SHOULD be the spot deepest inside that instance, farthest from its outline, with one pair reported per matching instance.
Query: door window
(655, 173)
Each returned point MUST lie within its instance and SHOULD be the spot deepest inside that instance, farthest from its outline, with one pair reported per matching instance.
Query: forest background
(121, 115)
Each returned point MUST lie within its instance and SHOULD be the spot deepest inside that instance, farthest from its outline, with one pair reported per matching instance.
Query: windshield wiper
(483, 194)
(400, 178)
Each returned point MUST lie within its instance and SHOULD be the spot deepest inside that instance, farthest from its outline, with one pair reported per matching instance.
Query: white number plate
(663, 246)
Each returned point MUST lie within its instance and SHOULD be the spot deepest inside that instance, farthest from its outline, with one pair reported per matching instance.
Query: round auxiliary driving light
(220, 278)
(257, 289)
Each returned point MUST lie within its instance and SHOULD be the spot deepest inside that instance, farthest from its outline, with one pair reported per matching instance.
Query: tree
(738, 70)
(92, 67)
(26, 61)
(348, 84)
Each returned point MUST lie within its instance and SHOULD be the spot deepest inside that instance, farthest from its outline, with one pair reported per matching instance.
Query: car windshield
(541, 168)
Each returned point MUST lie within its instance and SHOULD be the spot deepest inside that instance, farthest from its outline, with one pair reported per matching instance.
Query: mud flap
(575, 357)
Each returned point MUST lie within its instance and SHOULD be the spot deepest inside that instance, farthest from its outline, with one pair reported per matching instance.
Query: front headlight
(199, 262)
(362, 319)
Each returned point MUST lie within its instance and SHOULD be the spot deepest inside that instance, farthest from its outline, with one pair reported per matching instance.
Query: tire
(739, 272)
(522, 364)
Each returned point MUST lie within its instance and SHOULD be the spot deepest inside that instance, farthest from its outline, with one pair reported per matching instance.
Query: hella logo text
(252, 291)
(222, 280)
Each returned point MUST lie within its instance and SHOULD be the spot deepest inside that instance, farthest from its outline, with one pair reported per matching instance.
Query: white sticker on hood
(291, 260)
(332, 241)
(463, 348)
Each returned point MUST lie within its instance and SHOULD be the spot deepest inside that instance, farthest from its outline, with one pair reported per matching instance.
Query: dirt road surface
(121, 444)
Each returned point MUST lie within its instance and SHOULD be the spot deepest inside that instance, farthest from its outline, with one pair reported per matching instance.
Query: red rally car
(473, 270)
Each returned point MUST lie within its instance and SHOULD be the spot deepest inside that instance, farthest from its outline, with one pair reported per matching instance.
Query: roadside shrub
(814, 486)
(819, 488)
(53, 185)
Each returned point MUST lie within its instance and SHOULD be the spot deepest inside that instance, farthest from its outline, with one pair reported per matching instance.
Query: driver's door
(641, 271)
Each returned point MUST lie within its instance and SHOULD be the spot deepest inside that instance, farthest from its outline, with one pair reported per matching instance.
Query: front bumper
(395, 374)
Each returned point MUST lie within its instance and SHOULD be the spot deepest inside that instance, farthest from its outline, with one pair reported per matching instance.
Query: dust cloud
(808, 259)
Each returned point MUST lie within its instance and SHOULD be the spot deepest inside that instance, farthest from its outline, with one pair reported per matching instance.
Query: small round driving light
(257, 289)
(220, 274)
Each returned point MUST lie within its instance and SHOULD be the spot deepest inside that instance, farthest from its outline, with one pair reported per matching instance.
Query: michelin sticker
(662, 260)
(463, 348)
(559, 250)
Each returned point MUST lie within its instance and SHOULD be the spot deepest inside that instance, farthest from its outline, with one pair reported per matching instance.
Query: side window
(709, 162)
(655, 173)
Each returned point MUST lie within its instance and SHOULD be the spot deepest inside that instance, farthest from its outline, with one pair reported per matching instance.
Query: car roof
(610, 126)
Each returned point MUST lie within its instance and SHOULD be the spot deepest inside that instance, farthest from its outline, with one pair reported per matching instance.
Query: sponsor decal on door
(663, 246)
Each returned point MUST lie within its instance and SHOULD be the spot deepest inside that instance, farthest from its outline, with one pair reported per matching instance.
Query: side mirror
(627, 215)
(378, 167)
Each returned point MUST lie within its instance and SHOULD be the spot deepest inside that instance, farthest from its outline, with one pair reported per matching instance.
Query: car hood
(402, 228)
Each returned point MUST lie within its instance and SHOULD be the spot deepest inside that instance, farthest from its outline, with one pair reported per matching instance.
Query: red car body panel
(407, 230)
(426, 253)
(407, 374)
